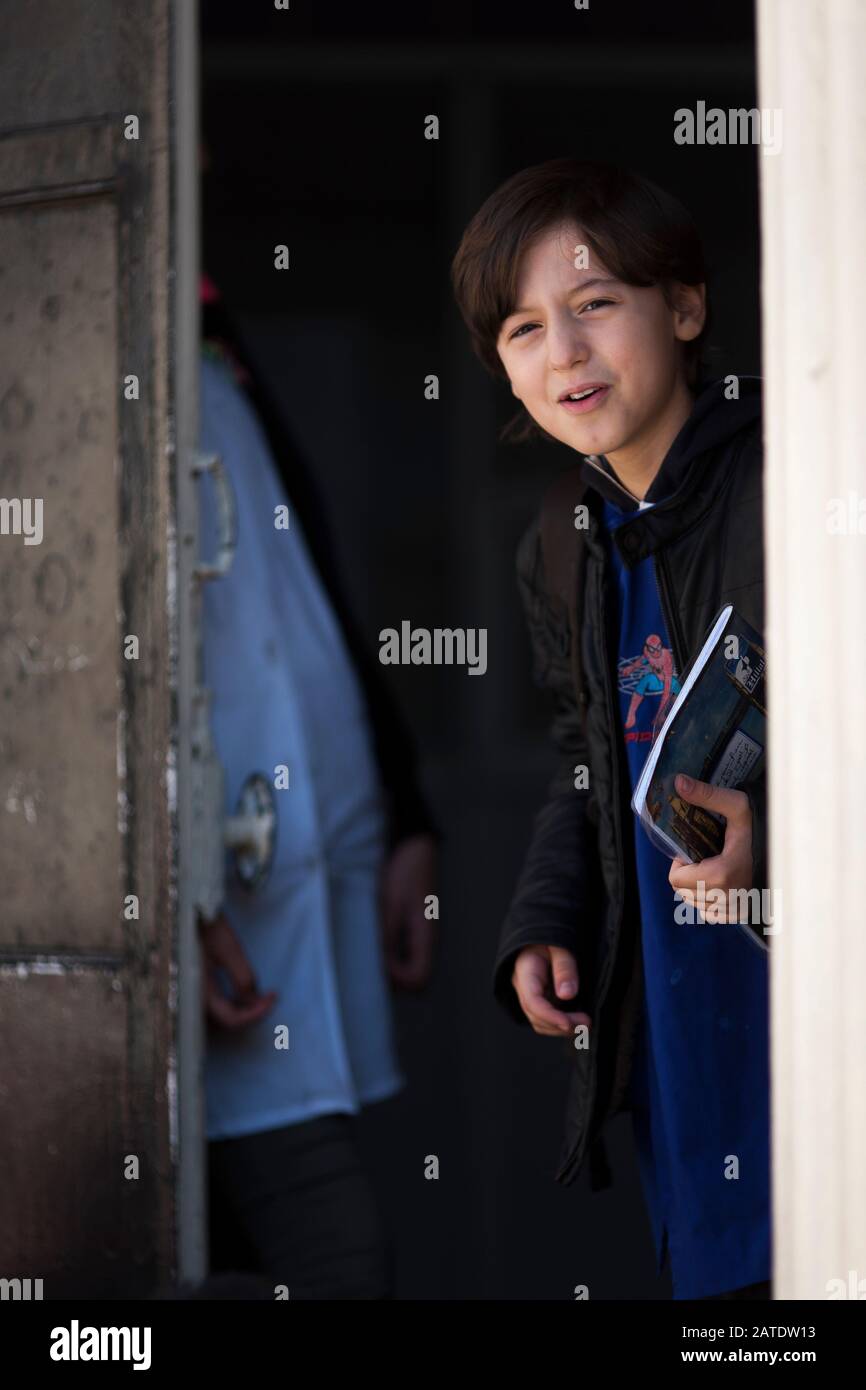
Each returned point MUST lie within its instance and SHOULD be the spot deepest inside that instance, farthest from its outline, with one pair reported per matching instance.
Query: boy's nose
(566, 348)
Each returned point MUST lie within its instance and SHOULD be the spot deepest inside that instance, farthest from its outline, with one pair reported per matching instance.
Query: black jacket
(407, 811)
(578, 887)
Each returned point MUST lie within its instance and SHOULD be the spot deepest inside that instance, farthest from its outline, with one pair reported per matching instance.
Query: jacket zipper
(618, 770)
(658, 567)
(668, 613)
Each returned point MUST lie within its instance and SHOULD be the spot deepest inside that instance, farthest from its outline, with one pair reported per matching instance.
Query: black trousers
(295, 1205)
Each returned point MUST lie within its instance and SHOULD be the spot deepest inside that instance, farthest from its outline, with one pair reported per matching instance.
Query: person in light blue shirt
(284, 693)
(286, 1070)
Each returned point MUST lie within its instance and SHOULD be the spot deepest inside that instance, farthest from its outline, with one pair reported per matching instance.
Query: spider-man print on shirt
(652, 683)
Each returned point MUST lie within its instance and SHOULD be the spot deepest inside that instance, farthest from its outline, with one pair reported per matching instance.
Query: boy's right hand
(538, 972)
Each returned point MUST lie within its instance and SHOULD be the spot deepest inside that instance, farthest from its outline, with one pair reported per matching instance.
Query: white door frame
(812, 68)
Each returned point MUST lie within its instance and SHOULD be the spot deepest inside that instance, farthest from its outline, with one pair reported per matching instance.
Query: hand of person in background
(222, 950)
(408, 878)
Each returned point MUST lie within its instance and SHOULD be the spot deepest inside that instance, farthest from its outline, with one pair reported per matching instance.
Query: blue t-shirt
(700, 1085)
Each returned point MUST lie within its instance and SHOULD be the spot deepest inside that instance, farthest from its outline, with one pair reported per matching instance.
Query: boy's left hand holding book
(728, 871)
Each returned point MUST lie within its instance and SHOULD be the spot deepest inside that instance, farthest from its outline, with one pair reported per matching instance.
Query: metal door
(100, 1024)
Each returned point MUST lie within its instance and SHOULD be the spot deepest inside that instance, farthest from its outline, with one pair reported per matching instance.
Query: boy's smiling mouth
(587, 396)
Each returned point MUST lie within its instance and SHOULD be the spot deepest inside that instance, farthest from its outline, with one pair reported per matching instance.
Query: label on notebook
(737, 761)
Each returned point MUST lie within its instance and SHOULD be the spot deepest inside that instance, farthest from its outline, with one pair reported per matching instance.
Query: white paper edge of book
(639, 799)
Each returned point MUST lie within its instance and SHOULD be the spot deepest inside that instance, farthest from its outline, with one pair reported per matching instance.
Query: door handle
(227, 513)
(250, 834)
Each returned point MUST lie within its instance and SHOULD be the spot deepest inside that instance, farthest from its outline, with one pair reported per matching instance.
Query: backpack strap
(564, 554)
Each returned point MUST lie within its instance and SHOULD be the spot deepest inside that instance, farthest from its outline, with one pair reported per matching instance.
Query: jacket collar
(689, 479)
(596, 472)
(654, 526)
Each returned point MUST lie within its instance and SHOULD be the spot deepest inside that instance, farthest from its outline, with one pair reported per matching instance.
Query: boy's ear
(689, 305)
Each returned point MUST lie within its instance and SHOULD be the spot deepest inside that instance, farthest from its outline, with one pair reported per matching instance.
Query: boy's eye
(519, 331)
(592, 304)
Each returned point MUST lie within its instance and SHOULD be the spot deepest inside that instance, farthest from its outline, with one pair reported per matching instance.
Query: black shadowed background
(314, 119)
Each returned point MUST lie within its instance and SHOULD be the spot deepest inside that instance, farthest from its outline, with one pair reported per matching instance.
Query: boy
(584, 286)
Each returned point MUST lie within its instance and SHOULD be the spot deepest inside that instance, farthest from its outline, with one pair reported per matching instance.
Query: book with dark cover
(715, 730)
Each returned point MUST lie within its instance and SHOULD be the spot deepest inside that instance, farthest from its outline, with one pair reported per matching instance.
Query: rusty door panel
(68, 1214)
(62, 800)
(88, 744)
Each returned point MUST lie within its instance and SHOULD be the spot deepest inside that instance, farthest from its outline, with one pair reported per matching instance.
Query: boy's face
(581, 328)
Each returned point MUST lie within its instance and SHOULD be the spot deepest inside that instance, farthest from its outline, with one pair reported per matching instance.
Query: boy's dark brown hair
(643, 235)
